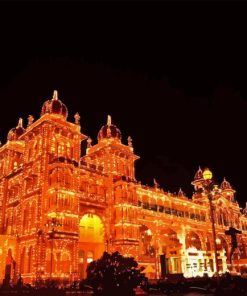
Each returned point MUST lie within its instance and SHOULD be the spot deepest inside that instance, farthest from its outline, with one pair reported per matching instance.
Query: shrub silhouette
(114, 274)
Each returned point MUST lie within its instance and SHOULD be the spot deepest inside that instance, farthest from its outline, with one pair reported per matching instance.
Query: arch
(91, 228)
(169, 241)
(65, 259)
(192, 239)
(91, 240)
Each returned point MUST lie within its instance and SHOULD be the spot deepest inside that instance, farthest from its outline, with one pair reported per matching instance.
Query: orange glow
(59, 210)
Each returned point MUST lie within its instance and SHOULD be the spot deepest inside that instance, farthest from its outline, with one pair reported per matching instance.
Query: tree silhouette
(114, 274)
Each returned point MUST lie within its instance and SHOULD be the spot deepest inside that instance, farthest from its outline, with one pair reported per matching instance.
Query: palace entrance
(91, 241)
(171, 252)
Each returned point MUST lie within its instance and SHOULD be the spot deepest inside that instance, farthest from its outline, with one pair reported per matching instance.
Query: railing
(171, 211)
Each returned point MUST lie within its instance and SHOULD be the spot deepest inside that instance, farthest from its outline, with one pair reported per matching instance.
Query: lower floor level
(66, 256)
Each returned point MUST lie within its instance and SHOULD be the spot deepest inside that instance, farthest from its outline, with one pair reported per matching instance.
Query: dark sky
(173, 76)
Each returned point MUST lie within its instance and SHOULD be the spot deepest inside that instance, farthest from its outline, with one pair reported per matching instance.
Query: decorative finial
(20, 122)
(77, 118)
(89, 142)
(30, 120)
(180, 192)
(55, 95)
(156, 185)
(109, 120)
(130, 141)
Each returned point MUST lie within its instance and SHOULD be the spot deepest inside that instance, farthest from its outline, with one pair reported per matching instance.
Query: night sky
(173, 75)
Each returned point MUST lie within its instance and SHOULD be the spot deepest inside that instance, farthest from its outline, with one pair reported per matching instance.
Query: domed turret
(198, 180)
(227, 190)
(199, 174)
(225, 185)
(16, 132)
(109, 131)
(54, 106)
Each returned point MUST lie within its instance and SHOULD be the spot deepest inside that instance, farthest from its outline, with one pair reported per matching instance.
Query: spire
(130, 141)
(77, 118)
(55, 95)
(180, 192)
(30, 120)
(108, 120)
(156, 185)
(199, 174)
(20, 122)
(225, 184)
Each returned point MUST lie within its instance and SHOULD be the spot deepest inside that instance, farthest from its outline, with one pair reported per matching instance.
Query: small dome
(16, 132)
(54, 106)
(225, 185)
(109, 131)
(199, 174)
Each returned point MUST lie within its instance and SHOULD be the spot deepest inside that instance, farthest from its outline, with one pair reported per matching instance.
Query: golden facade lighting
(98, 205)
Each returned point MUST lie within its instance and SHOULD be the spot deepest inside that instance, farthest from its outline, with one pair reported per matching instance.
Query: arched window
(65, 262)
(60, 148)
(53, 145)
(193, 240)
(68, 152)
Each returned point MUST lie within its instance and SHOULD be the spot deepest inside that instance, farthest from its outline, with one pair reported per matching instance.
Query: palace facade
(59, 210)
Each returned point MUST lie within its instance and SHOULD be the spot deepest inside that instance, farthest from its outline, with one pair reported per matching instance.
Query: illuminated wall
(59, 210)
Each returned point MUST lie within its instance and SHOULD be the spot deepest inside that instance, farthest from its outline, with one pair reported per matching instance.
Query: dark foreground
(226, 286)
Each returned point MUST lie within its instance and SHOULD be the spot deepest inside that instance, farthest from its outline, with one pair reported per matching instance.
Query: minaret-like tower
(198, 180)
(227, 191)
(37, 187)
(117, 161)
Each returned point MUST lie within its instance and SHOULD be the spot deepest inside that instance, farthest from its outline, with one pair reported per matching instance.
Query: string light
(56, 204)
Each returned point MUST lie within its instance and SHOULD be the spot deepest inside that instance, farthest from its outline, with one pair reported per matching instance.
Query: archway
(193, 241)
(91, 241)
(170, 248)
(195, 264)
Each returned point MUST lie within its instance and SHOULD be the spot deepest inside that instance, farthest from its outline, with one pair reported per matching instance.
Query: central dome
(54, 106)
(109, 131)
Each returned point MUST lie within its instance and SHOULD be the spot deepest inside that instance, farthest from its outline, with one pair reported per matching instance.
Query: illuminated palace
(60, 210)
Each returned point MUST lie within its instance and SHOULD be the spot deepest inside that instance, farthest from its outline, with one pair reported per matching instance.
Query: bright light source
(207, 174)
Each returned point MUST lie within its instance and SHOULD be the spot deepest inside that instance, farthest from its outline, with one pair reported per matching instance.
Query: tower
(227, 190)
(117, 161)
